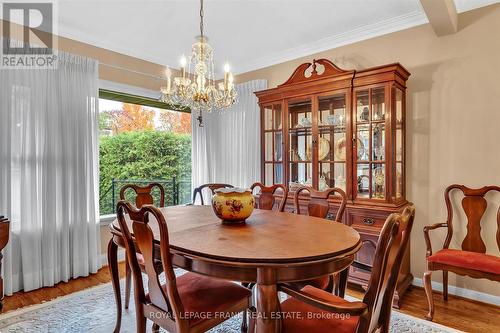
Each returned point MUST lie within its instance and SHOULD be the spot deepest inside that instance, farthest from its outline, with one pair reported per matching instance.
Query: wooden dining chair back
(144, 194)
(472, 259)
(167, 299)
(389, 254)
(474, 206)
(318, 204)
(198, 191)
(266, 198)
(374, 312)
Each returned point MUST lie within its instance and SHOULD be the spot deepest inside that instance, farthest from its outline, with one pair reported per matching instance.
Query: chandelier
(197, 88)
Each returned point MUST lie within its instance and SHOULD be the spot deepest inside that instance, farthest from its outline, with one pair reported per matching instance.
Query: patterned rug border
(34, 307)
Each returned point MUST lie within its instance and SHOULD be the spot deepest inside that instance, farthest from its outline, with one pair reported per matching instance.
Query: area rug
(93, 310)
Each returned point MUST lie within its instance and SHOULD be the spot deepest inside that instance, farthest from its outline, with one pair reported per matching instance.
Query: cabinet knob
(368, 221)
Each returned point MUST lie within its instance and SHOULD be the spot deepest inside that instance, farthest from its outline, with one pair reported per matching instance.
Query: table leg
(115, 279)
(267, 301)
(343, 275)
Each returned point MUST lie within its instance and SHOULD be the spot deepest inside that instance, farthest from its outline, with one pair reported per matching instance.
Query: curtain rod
(132, 71)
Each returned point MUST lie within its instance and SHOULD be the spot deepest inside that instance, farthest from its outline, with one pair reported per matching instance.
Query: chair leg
(128, 282)
(342, 282)
(333, 284)
(244, 326)
(251, 323)
(384, 328)
(428, 292)
(244, 322)
(445, 285)
(141, 323)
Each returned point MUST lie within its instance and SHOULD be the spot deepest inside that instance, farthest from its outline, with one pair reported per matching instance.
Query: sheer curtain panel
(227, 148)
(49, 172)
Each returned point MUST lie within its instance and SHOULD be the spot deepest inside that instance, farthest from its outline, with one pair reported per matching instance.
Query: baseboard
(120, 255)
(462, 292)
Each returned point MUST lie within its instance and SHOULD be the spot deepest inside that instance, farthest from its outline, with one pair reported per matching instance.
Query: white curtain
(49, 172)
(227, 148)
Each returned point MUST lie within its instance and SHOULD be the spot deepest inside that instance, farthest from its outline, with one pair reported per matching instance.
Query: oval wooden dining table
(270, 248)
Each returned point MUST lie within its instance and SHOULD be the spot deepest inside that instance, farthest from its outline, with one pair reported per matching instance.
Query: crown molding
(79, 36)
(467, 5)
(376, 29)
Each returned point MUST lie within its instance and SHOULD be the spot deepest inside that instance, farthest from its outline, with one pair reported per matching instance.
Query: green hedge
(142, 155)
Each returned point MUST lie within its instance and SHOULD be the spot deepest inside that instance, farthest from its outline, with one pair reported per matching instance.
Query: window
(140, 144)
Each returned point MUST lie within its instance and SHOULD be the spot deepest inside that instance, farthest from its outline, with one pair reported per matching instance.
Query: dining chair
(471, 260)
(266, 197)
(188, 303)
(212, 186)
(319, 206)
(315, 310)
(144, 196)
(4, 239)
(266, 201)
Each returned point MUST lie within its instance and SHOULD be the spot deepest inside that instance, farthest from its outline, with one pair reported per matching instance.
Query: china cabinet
(328, 127)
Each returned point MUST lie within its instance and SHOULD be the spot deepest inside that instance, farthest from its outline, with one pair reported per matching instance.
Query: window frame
(119, 96)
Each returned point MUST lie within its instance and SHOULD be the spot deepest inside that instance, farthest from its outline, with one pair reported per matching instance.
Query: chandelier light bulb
(183, 61)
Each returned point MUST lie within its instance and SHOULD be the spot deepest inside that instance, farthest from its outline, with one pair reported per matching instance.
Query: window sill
(107, 219)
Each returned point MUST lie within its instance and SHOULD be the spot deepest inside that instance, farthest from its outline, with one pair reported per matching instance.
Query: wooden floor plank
(458, 313)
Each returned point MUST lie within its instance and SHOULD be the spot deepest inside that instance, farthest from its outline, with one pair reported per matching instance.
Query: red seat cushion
(320, 283)
(205, 298)
(299, 317)
(470, 260)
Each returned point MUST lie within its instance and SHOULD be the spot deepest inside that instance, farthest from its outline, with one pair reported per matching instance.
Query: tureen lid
(231, 190)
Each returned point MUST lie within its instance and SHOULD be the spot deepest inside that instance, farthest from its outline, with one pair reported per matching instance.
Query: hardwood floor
(458, 313)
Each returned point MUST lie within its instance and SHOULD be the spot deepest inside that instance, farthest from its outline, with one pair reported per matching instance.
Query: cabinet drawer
(367, 221)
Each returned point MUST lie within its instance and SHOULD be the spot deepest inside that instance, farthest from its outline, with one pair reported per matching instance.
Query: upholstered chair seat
(480, 262)
(308, 318)
(207, 297)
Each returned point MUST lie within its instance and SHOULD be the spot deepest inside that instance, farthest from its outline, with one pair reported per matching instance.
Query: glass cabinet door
(332, 144)
(369, 153)
(399, 149)
(300, 136)
(273, 144)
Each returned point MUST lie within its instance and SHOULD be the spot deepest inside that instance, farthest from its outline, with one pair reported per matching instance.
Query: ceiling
(250, 34)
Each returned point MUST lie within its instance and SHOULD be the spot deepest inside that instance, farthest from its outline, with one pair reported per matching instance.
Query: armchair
(471, 259)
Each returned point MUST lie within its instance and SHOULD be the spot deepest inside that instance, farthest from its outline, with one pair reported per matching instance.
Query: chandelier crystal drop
(197, 87)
